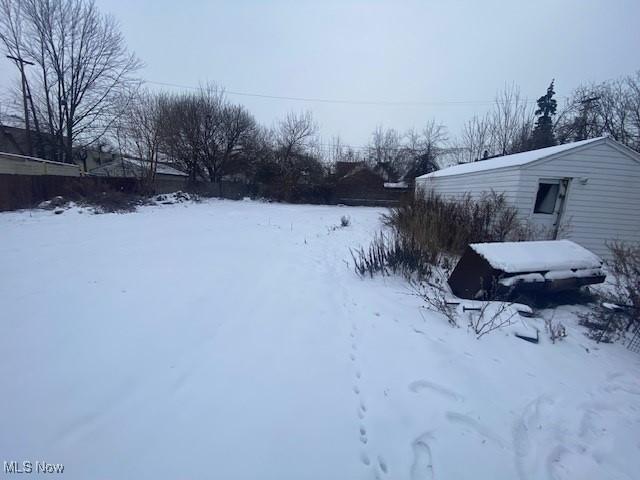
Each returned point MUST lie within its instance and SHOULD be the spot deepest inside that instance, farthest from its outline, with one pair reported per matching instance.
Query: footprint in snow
(382, 464)
(481, 429)
(419, 385)
(422, 467)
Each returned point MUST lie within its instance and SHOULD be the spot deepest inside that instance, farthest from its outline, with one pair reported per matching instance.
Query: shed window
(546, 198)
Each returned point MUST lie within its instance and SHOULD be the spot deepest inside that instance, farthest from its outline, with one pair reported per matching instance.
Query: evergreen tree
(543, 135)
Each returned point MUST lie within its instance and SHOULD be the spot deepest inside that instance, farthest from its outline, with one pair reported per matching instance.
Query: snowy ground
(231, 340)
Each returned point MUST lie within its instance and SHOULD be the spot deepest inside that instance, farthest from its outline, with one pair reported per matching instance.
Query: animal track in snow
(382, 464)
(365, 458)
(419, 385)
(422, 467)
(356, 390)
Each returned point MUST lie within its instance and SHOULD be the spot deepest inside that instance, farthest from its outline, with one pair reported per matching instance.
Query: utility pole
(20, 63)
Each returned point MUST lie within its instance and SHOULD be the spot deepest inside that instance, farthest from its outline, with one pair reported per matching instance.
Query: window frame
(538, 201)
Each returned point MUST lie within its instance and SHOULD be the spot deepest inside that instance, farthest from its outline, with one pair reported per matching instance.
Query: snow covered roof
(540, 256)
(161, 168)
(517, 159)
(130, 167)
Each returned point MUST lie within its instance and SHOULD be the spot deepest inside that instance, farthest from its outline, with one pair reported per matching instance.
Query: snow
(514, 160)
(564, 274)
(396, 185)
(523, 278)
(232, 340)
(132, 166)
(538, 256)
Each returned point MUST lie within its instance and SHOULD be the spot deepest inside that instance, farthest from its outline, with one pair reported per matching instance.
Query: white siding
(606, 208)
(502, 181)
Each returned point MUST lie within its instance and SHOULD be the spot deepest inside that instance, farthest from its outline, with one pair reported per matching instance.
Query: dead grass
(448, 226)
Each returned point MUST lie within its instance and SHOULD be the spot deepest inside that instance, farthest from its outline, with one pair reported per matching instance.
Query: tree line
(79, 88)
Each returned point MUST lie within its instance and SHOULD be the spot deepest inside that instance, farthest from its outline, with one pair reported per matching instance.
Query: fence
(24, 191)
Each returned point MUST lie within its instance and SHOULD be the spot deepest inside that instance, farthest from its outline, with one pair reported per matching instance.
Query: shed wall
(505, 181)
(605, 208)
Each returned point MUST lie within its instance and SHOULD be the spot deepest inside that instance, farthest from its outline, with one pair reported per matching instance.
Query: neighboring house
(137, 168)
(22, 165)
(587, 191)
(13, 139)
(90, 159)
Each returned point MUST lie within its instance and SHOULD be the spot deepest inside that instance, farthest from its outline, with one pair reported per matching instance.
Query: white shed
(587, 191)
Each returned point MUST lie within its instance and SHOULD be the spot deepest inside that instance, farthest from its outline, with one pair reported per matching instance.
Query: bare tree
(293, 132)
(293, 137)
(238, 128)
(181, 133)
(511, 121)
(81, 66)
(139, 133)
(476, 138)
(385, 152)
(421, 149)
(609, 108)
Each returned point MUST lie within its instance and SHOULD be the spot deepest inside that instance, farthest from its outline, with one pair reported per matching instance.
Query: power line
(416, 103)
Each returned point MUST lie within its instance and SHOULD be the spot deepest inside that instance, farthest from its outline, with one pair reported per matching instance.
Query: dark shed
(486, 270)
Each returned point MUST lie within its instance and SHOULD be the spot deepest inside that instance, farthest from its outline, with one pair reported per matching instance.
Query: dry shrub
(619, 309)
(425, 232)
(114, 202)
(436, 295)
(625, 266)
(449, 225)
(394, 253)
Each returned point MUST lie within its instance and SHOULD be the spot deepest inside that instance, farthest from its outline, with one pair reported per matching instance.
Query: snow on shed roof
(540, 256)
(514, 160)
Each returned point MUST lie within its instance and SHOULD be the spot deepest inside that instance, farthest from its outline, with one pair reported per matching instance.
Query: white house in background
(587, 191)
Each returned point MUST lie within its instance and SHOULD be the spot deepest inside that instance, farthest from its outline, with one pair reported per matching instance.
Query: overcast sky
(385, 51)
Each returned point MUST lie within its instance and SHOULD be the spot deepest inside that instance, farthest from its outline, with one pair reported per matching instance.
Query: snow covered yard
(233, 340)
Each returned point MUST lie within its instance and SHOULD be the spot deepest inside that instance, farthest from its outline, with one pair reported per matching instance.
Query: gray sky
(398, 51)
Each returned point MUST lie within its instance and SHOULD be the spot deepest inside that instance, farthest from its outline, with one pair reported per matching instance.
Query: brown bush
(448, 226)
(619, 309)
